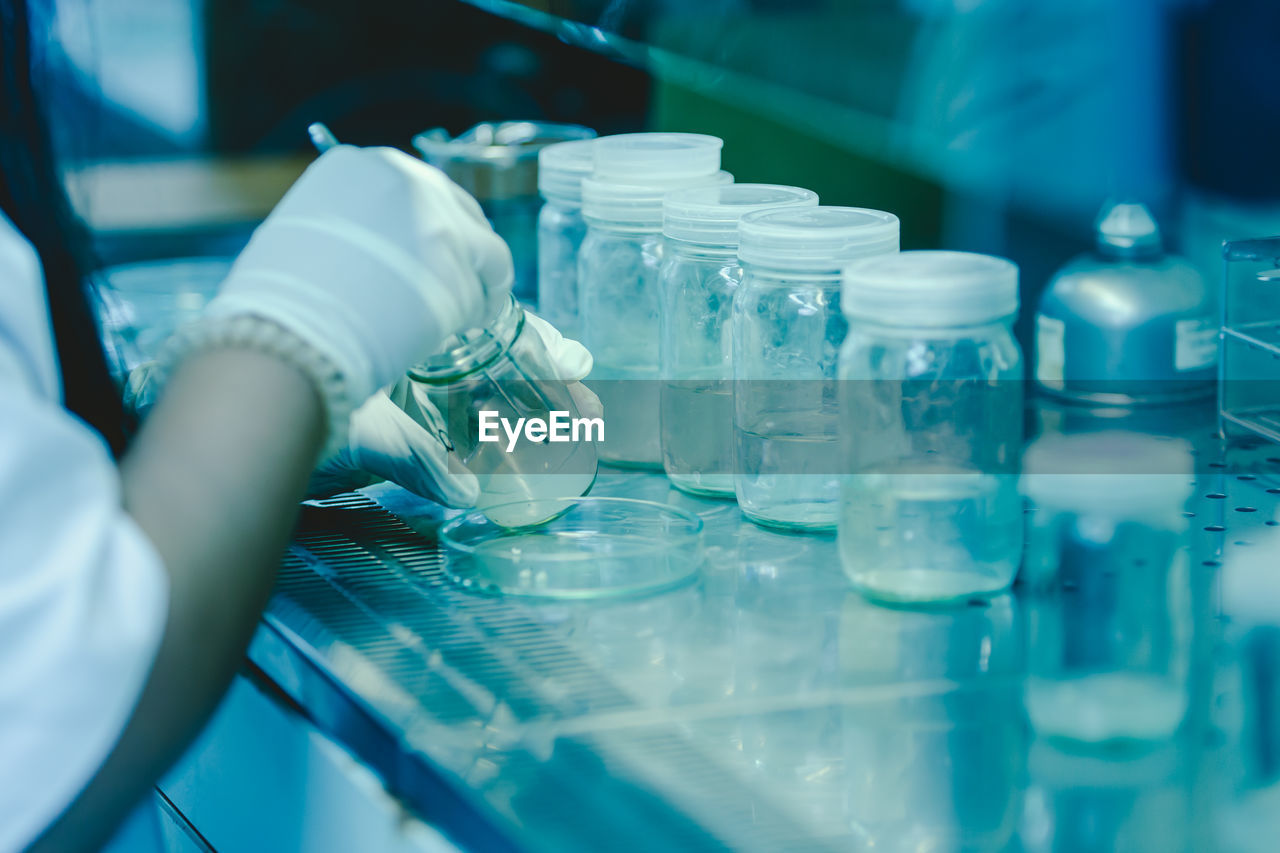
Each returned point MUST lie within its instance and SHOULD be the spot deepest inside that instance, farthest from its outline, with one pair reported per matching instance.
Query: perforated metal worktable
(762, 707)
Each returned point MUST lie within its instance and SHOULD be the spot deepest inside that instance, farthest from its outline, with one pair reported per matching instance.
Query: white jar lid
(815, 238)
(642, 158)
(1124, 473)
(561, 168)
(709, 215)
(930, 289)
(637, 205)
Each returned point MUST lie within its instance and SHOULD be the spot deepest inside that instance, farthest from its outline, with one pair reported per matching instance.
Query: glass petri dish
(594, 547)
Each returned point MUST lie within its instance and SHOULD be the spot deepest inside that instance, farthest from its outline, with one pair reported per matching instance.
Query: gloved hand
(372, 259)
(399, 436)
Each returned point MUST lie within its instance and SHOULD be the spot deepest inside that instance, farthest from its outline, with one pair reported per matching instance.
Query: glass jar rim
(563, 199)
(914, 324)
(476, 349)
(774, 277)
(622, 226)
(729, 250)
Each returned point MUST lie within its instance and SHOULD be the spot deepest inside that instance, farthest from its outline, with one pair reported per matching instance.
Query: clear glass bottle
(787, 328)
(1110, 593)
(618, 268)
(504, 368)
(700, 273)
(931, 419)
(561, 229)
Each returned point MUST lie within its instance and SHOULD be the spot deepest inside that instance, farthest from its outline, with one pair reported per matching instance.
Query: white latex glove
(373, 258)
(399, 436)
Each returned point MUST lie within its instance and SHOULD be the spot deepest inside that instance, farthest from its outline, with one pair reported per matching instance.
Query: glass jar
(931, 419)
(1110, 593)
(700, 273)
(505, 370)
(787, 328)
(561, 229)
(618, 268)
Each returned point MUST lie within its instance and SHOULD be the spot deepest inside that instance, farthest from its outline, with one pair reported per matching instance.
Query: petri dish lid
(590, 548)
(815, 238)
(561, 168)
(930, 288)
(709, 215)
(644, 157)
(1122, 472)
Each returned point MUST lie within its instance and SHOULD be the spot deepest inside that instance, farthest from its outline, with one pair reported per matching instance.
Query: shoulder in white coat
(83, 595)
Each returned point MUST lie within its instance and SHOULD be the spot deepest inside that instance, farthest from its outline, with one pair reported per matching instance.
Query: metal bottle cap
(1128, 230)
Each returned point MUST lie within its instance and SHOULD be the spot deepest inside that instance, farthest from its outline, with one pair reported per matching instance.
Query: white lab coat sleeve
(83, 602)
(83, 593)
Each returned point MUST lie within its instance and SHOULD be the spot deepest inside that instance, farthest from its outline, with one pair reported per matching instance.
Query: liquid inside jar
(505, 372)
(933, 534)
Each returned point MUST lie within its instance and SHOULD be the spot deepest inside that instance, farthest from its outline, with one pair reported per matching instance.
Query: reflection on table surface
(843, 723)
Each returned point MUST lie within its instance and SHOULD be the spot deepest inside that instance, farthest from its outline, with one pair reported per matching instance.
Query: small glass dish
(593, 547)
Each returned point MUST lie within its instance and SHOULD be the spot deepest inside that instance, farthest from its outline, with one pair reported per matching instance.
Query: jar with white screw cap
(787, 329)
(931, 420)
(700, 274)
(618, 268)
(561, 229)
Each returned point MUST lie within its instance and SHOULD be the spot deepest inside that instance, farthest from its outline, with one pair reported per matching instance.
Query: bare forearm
(216, 473)
(213, 479)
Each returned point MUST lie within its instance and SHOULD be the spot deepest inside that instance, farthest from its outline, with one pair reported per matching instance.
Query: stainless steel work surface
(764, 706)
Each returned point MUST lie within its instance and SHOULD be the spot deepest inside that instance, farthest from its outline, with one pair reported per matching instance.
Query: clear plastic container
(787, 329)
(618, 267)
(1110, 601)
(700, 273)
(931, 411)
(505, 369)
(561, 229)
(591, 547)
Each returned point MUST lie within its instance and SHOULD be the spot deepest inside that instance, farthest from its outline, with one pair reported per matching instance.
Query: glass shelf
(1052, 105)
(1249, 387)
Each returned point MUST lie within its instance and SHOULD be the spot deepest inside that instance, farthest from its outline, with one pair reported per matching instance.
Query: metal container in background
(498, 164)
(1128, 323)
